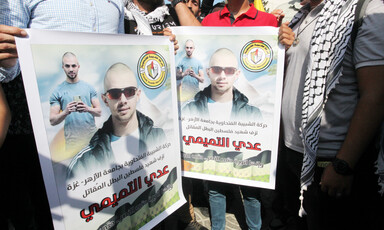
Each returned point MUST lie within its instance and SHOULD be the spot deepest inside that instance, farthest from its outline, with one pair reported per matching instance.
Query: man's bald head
(119, 75)
(223, 57)
(71, 66)
(121, 93)
(189, 47)
(223, 73)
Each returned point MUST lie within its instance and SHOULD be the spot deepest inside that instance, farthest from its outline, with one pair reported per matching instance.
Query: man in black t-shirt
(153, 16)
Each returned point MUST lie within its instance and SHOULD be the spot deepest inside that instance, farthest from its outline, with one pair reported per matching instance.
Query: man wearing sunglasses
(223, 72)
(222, 101)
(126, 130)
(75, 102)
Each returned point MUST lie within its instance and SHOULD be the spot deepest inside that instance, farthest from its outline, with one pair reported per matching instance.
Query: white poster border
(34, 105)
(230, 31)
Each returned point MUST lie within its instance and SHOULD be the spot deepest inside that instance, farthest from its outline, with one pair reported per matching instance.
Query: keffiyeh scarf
(143, 20)
(328, 45)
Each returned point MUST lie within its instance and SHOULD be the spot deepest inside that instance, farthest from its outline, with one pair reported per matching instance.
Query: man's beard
(72, 77)
(153, 3)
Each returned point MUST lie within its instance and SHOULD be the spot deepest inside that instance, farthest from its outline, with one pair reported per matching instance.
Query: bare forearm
(366, 120)
(367, 117)
(179, 75)
(186, 17)
(199, 77)
(5, 116)
(58, 118)
(96, 112)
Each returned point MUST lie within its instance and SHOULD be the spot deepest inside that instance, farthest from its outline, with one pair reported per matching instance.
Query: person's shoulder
(58, 88)
(189, 105)
(78, 161)
(268, 18)
(266, 14)
(250, 111)
(374, 8)
(195, 60)
(375, 4)
(211, 18)
(87, 86)
(84, 83)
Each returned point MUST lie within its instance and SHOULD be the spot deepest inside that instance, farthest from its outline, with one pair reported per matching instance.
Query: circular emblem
(256, 56)
(152, 69)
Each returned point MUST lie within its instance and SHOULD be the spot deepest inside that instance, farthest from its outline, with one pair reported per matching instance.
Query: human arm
(363, 127)
(5, 116)
(186, 17)
(286, 35)
(199, 76)
(95, 109)
(56, 116)
(172, 38)
(180, 74)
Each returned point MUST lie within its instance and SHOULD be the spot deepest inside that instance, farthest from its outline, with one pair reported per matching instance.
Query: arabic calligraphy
(112, 201)
(221, 142)
(149, 179)
(133, 186)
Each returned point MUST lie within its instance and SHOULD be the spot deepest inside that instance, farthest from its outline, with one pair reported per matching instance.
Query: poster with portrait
(229, 94)
(104, 115)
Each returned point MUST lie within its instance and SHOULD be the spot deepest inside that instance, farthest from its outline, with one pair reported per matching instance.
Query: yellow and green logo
(256, 56)
(152, 69)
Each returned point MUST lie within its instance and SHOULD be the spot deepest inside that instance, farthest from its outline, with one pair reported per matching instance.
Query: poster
(104, 114)
(229, 94)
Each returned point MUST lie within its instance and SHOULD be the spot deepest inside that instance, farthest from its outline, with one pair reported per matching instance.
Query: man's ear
(208, 72)
(237, 74)
(104, 98)
(138, 93)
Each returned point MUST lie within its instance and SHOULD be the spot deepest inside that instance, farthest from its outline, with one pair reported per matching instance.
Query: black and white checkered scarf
(328, 45)
(144, 20)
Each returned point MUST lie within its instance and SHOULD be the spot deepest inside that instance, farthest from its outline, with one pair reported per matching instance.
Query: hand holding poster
(230, 115)
(109, 155)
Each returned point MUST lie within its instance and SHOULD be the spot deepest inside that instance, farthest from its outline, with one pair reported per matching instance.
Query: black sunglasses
(115, 94)
(219, 69)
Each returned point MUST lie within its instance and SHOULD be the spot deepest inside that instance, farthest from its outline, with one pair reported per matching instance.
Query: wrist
(342, 167)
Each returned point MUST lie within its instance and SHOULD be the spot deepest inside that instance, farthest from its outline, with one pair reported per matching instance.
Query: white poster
(229, 93)
(104, 114)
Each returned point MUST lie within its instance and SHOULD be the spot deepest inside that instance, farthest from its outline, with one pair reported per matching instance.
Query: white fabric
(220, 111)
(143, 20)
(126, 147)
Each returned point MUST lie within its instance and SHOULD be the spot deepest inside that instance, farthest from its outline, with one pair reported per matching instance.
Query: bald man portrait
(189, 72)
(75, 102)
(221, 100)
(126, 131)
